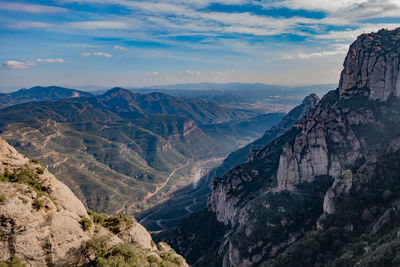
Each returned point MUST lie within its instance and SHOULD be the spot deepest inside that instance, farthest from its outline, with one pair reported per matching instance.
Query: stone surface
(373, 62)
(50, 235)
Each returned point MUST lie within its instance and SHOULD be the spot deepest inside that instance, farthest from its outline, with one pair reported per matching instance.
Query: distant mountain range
(39, 93)
(122, 150)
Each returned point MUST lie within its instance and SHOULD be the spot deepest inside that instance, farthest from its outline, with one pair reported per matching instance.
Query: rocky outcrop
(336, 169)
(373, 62)
(341, 185)
(43, 223)
(225, 204)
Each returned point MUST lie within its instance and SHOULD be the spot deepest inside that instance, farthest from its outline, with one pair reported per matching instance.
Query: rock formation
(322, 193)
(43, 223)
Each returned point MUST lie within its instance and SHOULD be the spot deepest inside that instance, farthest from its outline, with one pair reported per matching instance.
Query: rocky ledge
(42, 223)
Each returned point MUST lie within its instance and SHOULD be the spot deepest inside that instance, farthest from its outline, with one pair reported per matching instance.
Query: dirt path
(158, 222)
(23, 136)
(150, 195)
(188, 207)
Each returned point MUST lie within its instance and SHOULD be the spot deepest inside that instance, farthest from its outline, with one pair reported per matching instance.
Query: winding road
(149, 195)
(188, 208)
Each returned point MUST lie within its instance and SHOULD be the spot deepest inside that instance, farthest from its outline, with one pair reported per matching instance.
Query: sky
(134, 43)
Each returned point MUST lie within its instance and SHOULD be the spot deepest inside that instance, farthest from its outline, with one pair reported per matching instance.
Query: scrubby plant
(99, 253)
(2, 198)
(34, 161)
(86, 223)
(114, 223)
(23, 175)
(13, 262)
(38, 203)
(40, 170)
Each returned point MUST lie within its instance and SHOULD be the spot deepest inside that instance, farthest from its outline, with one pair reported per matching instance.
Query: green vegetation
(86, 223)
(39, 170)
(114, 223)
(38, 203)
(34, 161)
(24, 175)
(13, 262)
(100, 253)
(2, 198)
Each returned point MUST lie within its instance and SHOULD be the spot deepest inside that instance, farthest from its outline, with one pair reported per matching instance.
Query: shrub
(2, 198)
(23, 175)
(34, 161)
(86, 223)
(40, 170)
(38, 203)
(13, 262)
(114, 223)
(99, 253)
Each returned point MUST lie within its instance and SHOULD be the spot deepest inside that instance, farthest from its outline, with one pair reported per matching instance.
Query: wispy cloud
(30, 8)
(27, 25)
(100, 54)
(24, 64)
(341, 49)
(154, 73)
(193, 72)
(352, 34)
(50, 60)
(117, 47)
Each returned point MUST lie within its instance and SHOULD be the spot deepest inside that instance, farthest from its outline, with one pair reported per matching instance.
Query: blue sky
(136, 43)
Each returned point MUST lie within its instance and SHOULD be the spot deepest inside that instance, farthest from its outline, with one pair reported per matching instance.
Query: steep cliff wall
(335, 171)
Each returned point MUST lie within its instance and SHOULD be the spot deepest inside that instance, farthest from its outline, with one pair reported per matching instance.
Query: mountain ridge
(324, 192)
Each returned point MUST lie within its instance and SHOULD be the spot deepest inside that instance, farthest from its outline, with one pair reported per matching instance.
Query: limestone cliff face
(310, 156)
(42, 221)
(224, 203)
(373, 62)
(334, 146)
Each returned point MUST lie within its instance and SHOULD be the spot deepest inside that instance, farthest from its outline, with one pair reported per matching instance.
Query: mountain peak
(311, 100)
(118, 91)
(372, 64)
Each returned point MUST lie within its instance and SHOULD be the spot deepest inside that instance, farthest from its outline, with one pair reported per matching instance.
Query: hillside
(129, 105)
(194, 196)
(39, 93)
(124, 151)
(325, 193)
(42, 223)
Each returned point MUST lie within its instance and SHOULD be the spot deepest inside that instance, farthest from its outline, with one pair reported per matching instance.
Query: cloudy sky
(138, 43)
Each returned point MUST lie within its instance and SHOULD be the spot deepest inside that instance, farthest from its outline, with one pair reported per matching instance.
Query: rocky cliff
(324, 192)
(42, 223)
(373, 62)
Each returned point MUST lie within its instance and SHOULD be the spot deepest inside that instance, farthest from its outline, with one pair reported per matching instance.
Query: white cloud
(100, 54)
(341, 49)
(154, 73)
(28, 24)
(50, 60)
(324, 5)
(351, 35)
(24, 64)
(30, 8)
(117, 47)
(14, 64)
(193, 72)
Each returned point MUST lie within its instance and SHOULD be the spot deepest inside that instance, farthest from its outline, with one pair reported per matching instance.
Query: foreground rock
(43, 223)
